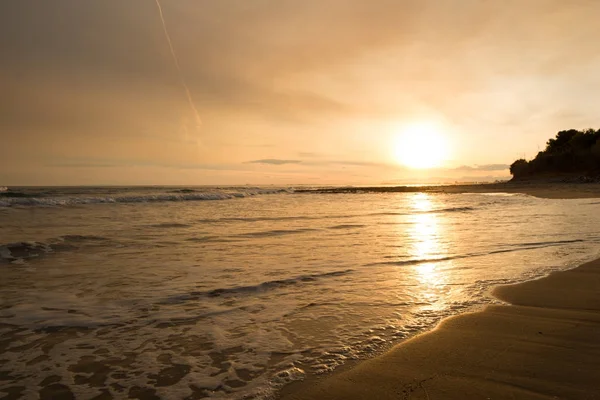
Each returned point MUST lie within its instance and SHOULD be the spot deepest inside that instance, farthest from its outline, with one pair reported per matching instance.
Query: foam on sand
(545, 345)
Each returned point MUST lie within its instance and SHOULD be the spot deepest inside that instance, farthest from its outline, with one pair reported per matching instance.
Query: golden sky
(313, 91)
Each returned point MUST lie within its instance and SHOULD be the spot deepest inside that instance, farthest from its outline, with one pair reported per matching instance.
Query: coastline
(547, 190)
(544, 190)
(543, 345)
(440, 364)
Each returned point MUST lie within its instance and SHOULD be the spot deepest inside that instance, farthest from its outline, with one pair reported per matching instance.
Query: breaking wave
(24, 199)
(434, 211)
(261, 287)
(23, 251)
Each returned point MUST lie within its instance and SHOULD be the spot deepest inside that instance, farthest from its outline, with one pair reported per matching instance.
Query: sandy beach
(544, 345)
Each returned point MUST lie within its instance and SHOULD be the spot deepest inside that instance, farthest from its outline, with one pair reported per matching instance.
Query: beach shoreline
(543, 345)
(322, 283)
(536, 189)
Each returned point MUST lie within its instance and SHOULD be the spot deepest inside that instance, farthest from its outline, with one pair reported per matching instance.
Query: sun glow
(421, 146)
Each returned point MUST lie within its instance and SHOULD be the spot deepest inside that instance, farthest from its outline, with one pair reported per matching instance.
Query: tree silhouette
(570, 152)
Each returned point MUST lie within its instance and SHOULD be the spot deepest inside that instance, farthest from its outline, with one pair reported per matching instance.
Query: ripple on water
(179, 299)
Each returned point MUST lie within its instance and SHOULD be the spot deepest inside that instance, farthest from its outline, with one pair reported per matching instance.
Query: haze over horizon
(288, 92)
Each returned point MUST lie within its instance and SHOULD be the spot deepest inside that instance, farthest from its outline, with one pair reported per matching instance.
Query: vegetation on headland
(571, 153)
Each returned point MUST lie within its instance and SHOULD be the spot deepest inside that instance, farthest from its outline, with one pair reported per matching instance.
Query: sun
(420, 146)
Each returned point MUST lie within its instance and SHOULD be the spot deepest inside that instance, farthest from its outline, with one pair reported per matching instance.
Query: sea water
(184, 293)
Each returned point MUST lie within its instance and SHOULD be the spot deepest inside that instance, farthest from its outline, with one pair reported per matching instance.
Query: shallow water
(155, 292)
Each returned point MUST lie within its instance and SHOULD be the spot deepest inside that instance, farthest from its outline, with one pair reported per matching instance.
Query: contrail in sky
(176, 61)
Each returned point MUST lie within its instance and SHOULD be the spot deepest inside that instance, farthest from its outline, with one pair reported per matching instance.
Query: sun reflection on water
(425, 236)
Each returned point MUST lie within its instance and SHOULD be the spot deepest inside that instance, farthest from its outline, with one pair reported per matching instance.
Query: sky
(288, 92)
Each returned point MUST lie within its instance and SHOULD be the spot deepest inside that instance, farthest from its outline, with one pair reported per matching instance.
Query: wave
(347, 226)
(515, 247)
(211, 239)
(451, 209)
(3, 189)
(11, 194)
(170, 225)
(183, 191)
(280, 218)
(23, 251)
(435, 211)
(262, 234)
(275, 232)
(261, 287)
(552, 242)
(321, 217)
(10, 199)
(417, 261)
(262, 219)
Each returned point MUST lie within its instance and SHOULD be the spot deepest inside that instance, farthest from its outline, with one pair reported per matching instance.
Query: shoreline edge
(544, 345)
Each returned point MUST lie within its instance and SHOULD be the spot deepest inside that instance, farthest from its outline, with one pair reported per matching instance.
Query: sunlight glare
(421, 146)
(425, 237)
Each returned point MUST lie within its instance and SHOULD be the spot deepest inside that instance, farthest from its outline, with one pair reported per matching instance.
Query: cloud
(309, 76)
(356, 163)
(76, 164)
(485, 167)
(320, 163)
(309, 154)
(263, 58)
(87, 165)
(273, 161)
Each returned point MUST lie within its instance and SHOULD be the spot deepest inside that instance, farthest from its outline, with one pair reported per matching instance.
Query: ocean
(233, 292)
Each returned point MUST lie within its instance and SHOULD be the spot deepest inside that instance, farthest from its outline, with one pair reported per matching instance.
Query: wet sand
(545, 345)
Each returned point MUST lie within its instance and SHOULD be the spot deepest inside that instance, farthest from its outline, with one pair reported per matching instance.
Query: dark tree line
(570, 152)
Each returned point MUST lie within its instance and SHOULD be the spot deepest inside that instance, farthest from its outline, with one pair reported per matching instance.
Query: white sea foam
(31, 200)
(232, 299)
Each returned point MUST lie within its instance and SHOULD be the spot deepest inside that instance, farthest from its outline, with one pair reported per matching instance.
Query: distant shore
(545, 345)
(548, 190)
